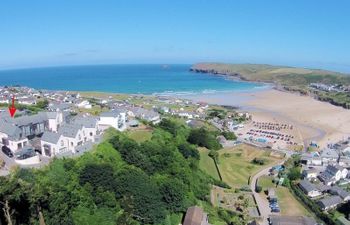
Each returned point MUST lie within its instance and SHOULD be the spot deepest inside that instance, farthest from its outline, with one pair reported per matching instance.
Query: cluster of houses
(55, 132)
(59, 130)
(325, 174)
(24, 95)
(330, 87)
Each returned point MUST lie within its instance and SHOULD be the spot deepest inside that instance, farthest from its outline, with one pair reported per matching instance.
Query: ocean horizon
(155, 79)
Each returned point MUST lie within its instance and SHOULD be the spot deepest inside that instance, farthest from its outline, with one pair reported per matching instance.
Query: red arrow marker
(12, 109)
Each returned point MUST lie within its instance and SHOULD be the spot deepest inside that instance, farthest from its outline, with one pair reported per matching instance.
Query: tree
(214, 155)
(202, 137)
(294, 173)
(173, 192)
(140, 197)
(98, 176)
(258, 188)
(187, 150)
(229, 135)
(42, 104)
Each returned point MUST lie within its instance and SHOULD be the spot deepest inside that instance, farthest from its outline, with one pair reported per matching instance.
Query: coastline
(316, 120)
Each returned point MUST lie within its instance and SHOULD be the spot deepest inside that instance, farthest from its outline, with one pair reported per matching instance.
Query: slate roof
(333, 169)
(11, 130)
(330, 201)
(69, 130)
(51, 137)
(26, 120)
(340, 192)
(51, 115)
(113, 113)
(307, 186)
(88, 122)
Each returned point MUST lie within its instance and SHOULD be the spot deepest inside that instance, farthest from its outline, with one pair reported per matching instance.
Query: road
(262, 202)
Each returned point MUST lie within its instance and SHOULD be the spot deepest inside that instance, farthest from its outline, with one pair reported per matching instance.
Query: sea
(130, 79)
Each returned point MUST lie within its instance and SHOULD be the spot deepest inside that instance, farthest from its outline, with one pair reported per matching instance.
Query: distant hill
(286, 78)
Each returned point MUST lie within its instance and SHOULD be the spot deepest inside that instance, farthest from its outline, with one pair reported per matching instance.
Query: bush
(204, 138)
(229, 135)
(258, 188)
(188, 151)
(221, 184)
(259, 161)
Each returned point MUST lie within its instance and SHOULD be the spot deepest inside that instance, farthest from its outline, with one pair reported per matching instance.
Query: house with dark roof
(16, 132)
(195, 216)
(52, 144)
(335, 190)
(70, 136)
(309, 189)
(332, 174)
(330, 202)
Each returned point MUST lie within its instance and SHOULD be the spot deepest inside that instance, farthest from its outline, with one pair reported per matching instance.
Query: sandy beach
(315, 120)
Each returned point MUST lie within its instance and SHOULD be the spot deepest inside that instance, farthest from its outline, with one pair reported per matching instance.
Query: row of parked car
(274, 205)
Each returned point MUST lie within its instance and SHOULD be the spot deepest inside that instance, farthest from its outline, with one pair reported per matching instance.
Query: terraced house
(70, 137)
(15, 133)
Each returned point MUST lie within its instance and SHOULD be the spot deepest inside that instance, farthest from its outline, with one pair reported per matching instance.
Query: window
(62, 143)
(72, 144)
(91, 134)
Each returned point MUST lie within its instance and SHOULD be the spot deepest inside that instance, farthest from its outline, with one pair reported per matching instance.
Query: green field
(289, 205)
(140, 135)
(207, 164)
(235, 164)
(290, 76)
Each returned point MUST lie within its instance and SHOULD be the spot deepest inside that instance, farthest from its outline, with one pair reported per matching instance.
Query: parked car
(7, 151)
(275, 210)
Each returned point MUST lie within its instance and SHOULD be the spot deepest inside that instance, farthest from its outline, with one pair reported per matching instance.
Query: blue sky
(309, 33)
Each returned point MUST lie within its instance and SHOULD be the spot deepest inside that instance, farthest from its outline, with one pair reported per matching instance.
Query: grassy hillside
(268, 73)
(288, 78)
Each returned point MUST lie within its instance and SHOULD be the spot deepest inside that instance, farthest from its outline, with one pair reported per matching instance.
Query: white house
(332, 174)
(55, 120)
(53, 144)
(84, 104)
(79, 132)
(329, 156)
(15, 132)
(309, 189)
(89, 127)
(115, 118)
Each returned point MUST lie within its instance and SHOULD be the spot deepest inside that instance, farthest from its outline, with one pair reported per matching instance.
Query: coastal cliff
(285, 78)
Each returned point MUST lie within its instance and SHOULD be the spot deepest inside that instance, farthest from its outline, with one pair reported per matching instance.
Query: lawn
(207, 164)
(289, 205)
(235, 164)
(140, 135)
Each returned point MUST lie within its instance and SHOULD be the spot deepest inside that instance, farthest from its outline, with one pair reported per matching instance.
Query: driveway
(262, 202)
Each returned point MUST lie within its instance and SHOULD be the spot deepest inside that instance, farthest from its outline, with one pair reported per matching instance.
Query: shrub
(229, 135)
(259, 161)
(258, 188)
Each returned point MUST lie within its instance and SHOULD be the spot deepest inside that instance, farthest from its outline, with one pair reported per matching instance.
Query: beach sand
(318, 121)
